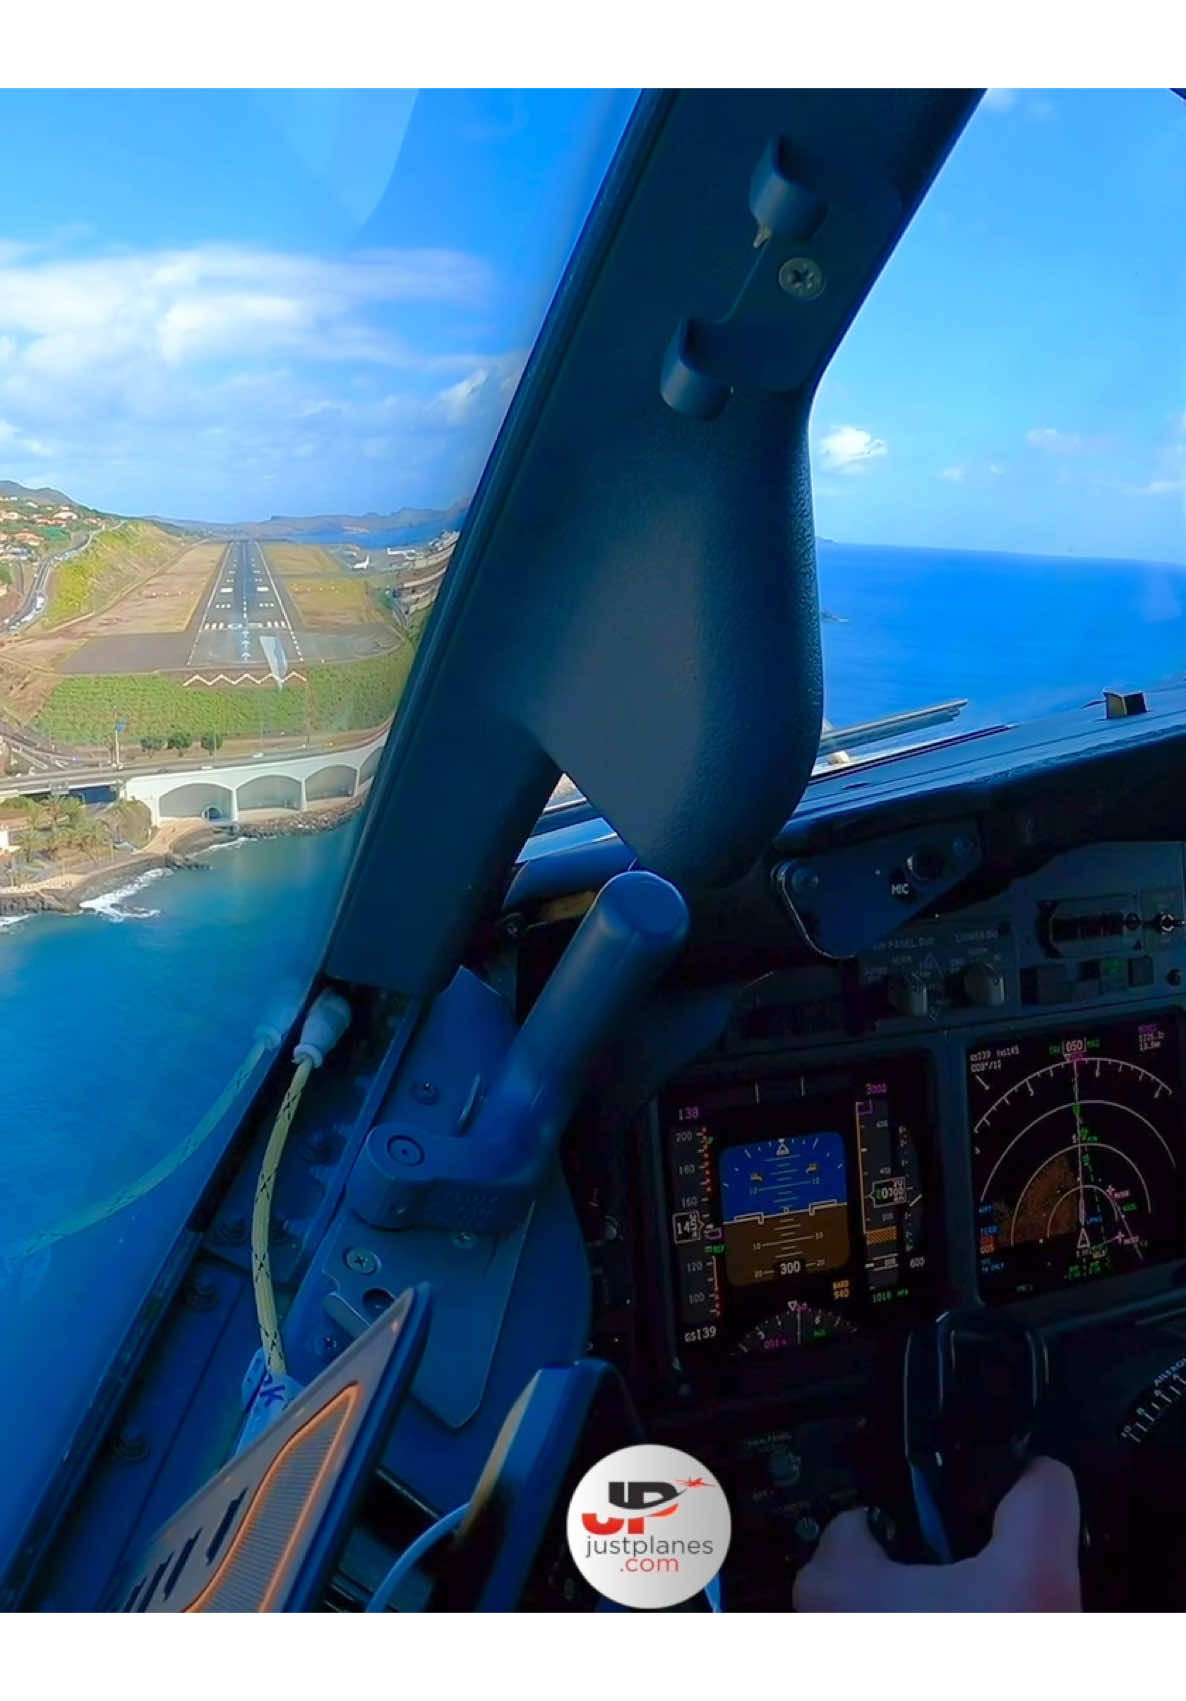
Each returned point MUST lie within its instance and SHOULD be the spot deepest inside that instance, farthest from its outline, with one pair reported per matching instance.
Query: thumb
(849, 1571)
(1035, 1538)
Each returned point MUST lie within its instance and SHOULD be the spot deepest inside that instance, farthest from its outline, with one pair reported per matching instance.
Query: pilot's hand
(1030, 1565)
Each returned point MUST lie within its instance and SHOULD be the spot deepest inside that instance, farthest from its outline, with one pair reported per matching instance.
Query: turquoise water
(120, 1028)
(1018, 635)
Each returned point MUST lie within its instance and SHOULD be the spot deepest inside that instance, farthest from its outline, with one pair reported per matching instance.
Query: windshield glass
(254, 350)
(999, 446)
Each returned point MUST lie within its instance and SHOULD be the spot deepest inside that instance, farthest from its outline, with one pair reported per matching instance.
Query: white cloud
(458, 403)
(1169, 476)
(1054, 442)
(954, 475)
(996, 471)
(1157, 487)
(218, 301)
(184, 380)
(14, 441)
(1010, 100)
(849, 449)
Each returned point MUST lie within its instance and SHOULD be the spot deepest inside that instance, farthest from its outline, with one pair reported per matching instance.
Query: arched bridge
(223, 791)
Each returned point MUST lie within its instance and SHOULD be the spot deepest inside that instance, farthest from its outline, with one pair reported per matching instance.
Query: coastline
(179, 846)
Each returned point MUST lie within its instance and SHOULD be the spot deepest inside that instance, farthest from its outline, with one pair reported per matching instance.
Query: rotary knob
(984, 983)
(909, 995)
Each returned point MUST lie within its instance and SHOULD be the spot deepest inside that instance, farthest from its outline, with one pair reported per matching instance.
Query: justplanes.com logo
(648, 1527)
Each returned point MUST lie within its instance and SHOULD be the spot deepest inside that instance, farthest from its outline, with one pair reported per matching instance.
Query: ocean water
(120, 1027)
(1016, 635)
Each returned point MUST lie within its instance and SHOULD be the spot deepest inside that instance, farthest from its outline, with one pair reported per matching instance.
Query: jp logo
(648, 1527)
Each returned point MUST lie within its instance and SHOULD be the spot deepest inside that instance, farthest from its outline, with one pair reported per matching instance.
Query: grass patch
(338, 697)
(110, 566)
(300, 559)
(332, 602)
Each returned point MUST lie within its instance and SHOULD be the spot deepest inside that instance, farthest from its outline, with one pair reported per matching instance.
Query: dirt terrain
(167, 602)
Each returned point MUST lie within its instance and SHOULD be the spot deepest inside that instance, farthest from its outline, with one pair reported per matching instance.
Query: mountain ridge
(29, 493)
(295, 527)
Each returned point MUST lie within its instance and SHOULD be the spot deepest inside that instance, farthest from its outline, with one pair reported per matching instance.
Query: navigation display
(798, 1206)
(1077, 1155)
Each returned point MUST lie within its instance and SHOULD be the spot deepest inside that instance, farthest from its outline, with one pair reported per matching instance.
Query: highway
(84, 772)
(246, 615)
(37, 599)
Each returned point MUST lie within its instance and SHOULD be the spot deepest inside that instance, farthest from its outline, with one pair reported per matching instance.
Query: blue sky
(227, 304)
(1017, 378)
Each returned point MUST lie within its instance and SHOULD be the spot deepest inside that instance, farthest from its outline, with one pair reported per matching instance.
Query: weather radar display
(1077, 1155)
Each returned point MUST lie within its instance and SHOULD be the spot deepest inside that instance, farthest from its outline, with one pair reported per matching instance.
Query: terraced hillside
(110, 566)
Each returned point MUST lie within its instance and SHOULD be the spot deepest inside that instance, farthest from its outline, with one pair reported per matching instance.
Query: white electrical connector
(327, 1021)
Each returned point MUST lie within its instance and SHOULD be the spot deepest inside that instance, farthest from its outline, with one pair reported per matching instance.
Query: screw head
(405, 1150)
(361, 1260)
(232, 1231)
(803, 881)
(201, 1294)
(131, 1444)
(801, 277)
(426, 1092)
(464, 1239)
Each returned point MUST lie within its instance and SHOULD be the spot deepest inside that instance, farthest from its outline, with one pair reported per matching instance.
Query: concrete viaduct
(223, 791)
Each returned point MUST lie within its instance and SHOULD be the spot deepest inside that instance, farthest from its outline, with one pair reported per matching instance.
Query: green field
(301, 558)
(339, 697)
(110, 565)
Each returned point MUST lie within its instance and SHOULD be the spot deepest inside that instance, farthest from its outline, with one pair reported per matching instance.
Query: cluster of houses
(55, 517)
(25, 544)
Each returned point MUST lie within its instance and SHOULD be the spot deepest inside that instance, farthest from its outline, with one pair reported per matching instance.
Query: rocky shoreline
(185, 854)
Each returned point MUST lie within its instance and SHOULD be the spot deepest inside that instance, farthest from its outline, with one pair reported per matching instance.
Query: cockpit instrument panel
(797, 1206)
(1078, 1154)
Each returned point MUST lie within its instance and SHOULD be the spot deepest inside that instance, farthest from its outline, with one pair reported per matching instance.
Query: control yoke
(973, 1384)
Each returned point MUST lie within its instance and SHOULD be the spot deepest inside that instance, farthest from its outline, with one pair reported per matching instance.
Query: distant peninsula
(403, 523)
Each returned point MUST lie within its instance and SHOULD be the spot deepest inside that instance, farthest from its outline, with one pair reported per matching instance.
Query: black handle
(973, 1383)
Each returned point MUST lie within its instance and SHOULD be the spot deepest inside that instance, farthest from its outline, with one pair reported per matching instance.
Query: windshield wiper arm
(890, 726)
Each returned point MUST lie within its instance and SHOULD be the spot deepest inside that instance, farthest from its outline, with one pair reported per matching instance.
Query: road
(37, 599)
(87, 772)
(42, 755)
(247, 615)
